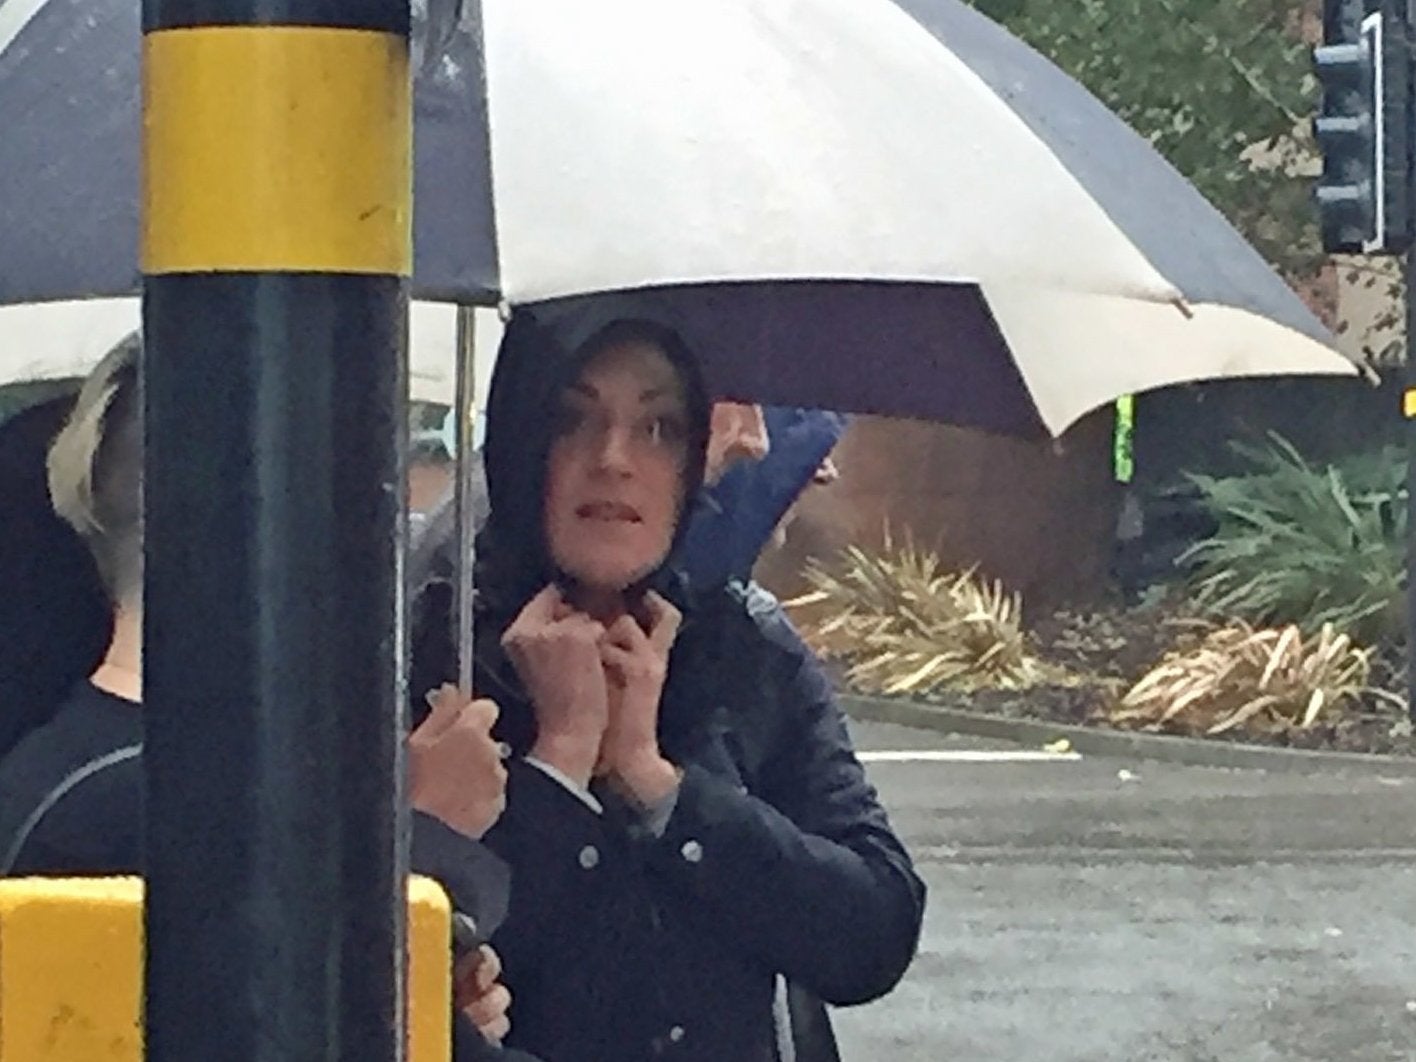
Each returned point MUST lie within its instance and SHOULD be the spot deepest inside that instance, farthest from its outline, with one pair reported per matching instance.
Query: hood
(542, 352)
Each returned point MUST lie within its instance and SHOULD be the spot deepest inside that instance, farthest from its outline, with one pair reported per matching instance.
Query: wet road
(1094, 909)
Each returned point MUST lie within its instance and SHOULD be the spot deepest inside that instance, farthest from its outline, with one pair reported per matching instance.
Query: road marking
(966, 756)
(1065, 852)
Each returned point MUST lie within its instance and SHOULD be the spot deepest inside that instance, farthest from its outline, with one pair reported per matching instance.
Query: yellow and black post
(276, 250)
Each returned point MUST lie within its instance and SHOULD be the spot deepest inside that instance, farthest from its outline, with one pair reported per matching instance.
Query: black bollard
(276, 250)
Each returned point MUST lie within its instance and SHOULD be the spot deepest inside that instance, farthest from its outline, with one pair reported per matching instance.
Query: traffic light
(1364, 127)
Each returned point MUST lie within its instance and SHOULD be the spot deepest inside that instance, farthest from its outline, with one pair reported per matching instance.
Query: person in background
(51, 826)
(757, 469)
(688, 826)
(758, 465)
(54, 622)
(737, 434)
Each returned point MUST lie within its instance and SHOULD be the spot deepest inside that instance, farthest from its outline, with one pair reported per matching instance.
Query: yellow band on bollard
(1408, 403)
(71, 970)
(276, 148)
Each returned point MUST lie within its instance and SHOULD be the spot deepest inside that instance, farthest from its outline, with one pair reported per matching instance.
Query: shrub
(1306, 545)
(1239, 678)
(901, 623)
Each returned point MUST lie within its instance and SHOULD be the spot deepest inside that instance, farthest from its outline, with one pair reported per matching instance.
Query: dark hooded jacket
(623, 945)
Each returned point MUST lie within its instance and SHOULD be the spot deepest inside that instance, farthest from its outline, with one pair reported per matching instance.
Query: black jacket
(777, 859)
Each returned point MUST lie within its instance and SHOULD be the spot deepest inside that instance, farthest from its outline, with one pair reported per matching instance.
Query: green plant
(1306, 544)
(1261, 681)
(901, 623)
(1222, 88)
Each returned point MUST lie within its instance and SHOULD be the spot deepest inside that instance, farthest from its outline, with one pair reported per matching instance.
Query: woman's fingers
(455, 768)
(445, 705)
(664, 621)
(626, 633)
(543, 607)
(475, 974)
(496, 1031)
(541, 611)
(579, 624)
(482, 714)
(617, 656)
(489, 1012)
(488, 968)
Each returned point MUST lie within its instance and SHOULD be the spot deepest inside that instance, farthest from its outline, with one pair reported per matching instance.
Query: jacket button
(676, 1034)
(692, 851)
(589, 857)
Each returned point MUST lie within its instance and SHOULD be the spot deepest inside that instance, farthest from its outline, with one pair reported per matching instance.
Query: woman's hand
(637, 664)
(556, 651)
(480, 996)
(455, 773)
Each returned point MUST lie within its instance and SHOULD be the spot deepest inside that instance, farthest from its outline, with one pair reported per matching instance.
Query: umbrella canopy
(887, 206)
(60, 340)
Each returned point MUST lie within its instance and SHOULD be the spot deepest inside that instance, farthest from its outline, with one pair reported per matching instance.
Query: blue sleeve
(730, 529)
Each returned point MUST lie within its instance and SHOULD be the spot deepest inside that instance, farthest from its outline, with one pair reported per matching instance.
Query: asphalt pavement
(1091, 909)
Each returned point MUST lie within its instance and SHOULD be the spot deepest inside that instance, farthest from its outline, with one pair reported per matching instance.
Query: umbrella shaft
(466, 492)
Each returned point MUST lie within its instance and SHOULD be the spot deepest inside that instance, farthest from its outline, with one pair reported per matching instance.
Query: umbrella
(58, 340)
(838, 209)
(886, 206)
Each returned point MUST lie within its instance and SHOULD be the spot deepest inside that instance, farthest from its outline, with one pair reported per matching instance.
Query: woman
(71, 787)
(686, 819)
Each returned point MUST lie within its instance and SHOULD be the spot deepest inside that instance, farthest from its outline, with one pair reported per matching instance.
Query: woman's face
(614, 483)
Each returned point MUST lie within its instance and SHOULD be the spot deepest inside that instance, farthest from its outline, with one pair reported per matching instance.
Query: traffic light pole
(1366, 197)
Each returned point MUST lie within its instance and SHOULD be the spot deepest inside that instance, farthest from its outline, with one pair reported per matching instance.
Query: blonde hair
(95, 469)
